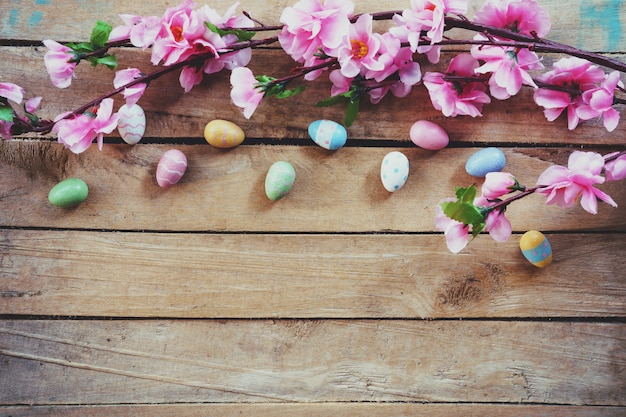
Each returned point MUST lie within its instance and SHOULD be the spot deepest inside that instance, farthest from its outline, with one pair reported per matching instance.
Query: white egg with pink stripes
(171, 168)
(132, 123)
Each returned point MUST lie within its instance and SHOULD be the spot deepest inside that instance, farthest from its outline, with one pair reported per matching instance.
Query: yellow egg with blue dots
(536, 248)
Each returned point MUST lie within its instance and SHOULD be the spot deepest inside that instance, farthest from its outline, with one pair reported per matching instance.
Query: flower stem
(191, 61)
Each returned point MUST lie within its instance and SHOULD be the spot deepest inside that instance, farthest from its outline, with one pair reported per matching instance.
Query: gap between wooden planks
(161, 361)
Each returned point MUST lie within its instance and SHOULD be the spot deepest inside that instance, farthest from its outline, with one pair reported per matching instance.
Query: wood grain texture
(130, 362)
(208, 299)
(345, 276)
(316, 410)
(223, 190)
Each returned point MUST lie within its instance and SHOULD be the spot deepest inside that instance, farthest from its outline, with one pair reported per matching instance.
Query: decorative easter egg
(428, 135)
(132, 123)
(279, 180)
(394, 171)
(536, 248)
(68, 193)
(485, 161)
(223, 134)
(328, 134)
(171, 168)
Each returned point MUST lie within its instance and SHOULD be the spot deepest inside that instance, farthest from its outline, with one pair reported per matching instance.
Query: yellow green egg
(223, 134)
(536, 248)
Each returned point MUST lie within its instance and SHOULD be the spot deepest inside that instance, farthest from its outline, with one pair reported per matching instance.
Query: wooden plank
(224, 190)
(173, 114)
(316, 410)
(130, 362)
(345, 276)
(595, 26)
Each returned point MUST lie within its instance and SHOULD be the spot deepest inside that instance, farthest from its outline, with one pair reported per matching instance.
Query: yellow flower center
(177, 32)
(359, 49)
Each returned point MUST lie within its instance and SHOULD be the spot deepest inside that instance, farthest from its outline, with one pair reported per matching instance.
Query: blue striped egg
(536, 248)
(328, 134)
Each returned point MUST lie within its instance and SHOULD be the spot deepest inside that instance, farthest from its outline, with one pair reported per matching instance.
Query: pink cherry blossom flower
(244, 92)
(142, 31)
(341, 83)
(360, 53)
(12, 92)
(131, 94)
(616, 168)
(455, 232)
(230, 20)
(508, 67)
(32, 104)
(456, 98)
(59, 61)
(565, 186)
(314, 25)
(5, 129)
(496, 223)
(575, 74)
(78, 133)
(599, 102)
(183, 34)
(428, 16)
(498, 184)
(521, 16)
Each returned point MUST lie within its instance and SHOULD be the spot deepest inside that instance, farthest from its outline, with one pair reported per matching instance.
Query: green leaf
(242, 35)
(100, 34)
(6, 113)
(466, 195)
(110, 61)
(351, 112)
(331, 101)
(264, 79)
(463, 212)
(81, 47)
(290, 93)
(477, 228)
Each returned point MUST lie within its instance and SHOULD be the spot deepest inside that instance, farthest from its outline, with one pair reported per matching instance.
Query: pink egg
(428, 135)
(171, 168)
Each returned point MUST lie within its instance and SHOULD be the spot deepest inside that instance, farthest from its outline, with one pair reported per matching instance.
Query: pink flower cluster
(14, 93)
(181, 33)
(78, 132)
(586, 92)
(496, 185)
(564, 186)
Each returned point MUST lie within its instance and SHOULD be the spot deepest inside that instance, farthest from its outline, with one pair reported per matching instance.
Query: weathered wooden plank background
(341, 299)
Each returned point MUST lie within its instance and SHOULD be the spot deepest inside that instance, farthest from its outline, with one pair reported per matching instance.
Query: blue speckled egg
(485, 161)
(328, 134)
(394, 171)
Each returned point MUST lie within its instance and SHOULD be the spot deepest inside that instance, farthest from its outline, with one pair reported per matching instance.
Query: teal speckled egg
(328, 134)
(68, 193)
(279, 180)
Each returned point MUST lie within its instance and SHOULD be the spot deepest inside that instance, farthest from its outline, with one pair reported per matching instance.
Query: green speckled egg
(68, 193)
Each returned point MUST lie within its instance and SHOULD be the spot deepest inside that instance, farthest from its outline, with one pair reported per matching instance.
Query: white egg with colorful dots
(132, 123)
(394, 171)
